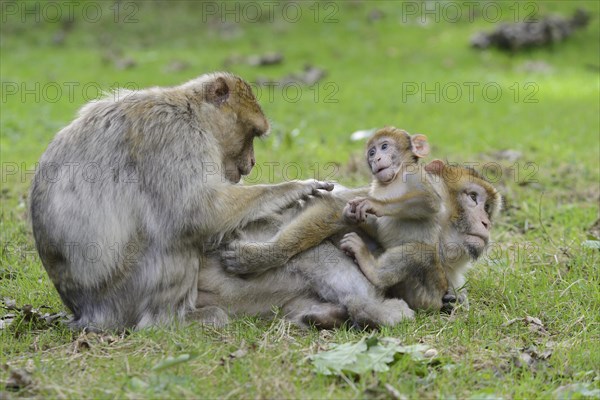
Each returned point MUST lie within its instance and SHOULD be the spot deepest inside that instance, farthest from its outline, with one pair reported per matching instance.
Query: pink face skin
(391, 150)
(384, 159)
(476, 223)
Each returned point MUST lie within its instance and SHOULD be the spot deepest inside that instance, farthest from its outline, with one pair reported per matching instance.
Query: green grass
(538, 266)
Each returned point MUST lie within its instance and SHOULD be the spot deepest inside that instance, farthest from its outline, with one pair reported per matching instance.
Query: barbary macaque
(433, 222)
(323, 287)
(469, 206)
(169, 162)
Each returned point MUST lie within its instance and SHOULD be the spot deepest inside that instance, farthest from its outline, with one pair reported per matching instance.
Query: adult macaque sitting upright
(144, 178)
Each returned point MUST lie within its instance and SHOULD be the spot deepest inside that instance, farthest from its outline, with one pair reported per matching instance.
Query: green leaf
(592, 244)
(333, 361)
(170, 361)
(368, 354)
(576, 390)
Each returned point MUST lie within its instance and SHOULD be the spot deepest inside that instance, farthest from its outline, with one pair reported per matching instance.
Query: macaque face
(392, 149)
(474, 220)
(383, 156)
(245, 123)
(239, 158)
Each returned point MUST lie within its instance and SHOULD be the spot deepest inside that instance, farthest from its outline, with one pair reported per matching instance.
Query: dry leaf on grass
(535, 324)
(18, 379)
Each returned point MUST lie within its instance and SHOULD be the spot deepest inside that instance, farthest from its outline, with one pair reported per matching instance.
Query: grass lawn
(529, 121)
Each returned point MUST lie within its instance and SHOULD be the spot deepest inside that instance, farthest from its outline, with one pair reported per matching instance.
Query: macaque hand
(350, 213)
(363, 207)
(317, 187)
(353, 245)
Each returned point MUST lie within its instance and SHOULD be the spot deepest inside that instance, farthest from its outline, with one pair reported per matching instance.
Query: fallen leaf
(334, 361)
(238, 353)
(534, 324)
(368, 354)
(6, 320)
(530, 357)
(568, 391)
(10, 304)
(523, 360)
(511, 321)
(18, 379)
(592, 244)
(309, 76)
(536, 354)
(534, 320)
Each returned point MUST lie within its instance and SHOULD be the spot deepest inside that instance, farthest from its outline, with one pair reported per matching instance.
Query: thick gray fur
(321, 286)
(130, 195)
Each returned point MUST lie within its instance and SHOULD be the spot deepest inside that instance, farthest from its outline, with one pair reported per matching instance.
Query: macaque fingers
(324, 185)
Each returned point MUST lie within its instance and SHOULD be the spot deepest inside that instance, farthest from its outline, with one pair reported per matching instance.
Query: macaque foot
(397, 311)
(210, 315)
(325, 316)
(390, 312)
(251, 257)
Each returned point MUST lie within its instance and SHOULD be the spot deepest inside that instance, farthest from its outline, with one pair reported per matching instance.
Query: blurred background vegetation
(386, 62)
(323, 70)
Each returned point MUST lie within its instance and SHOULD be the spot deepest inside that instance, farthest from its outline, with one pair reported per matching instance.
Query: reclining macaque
(452, 203)
(412, 212)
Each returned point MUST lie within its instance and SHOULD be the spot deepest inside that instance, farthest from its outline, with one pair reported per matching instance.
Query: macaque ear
(218, 91)
(420, 145)
(435, 167)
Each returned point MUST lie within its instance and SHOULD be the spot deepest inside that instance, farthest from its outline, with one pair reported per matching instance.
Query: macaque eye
(384, 146)
(473, 196)
(371, 152)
